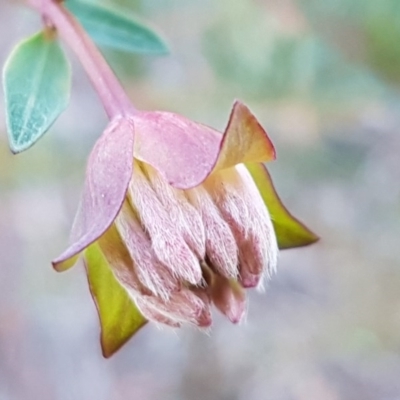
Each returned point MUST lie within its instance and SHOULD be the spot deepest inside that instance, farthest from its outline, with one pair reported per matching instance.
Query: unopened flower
(174, 208)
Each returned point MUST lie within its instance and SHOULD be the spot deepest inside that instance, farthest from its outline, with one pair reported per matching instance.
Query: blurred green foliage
(367, 31)
(267, 58)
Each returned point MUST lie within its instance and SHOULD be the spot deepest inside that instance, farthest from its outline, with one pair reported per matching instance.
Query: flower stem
(115, 100)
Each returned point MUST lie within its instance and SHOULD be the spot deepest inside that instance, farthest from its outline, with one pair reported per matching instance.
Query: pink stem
(109, 89)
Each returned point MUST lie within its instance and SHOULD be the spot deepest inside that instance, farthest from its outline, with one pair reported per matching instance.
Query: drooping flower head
(176, 217)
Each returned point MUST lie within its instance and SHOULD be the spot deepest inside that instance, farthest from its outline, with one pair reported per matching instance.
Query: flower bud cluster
(177, 252)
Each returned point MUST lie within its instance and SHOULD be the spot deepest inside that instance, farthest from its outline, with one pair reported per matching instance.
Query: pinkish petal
(229, 297)
(183, 151)
(108, 174)
(182, 307)
(249, 280)
(205, 318)
(152, 314)
(186, 152)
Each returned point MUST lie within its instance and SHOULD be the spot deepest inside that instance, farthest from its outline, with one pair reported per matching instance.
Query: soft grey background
(324, 80)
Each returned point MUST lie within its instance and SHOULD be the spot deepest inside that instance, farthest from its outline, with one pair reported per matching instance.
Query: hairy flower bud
(239, 202)
(221, 248)
(229, 297)
(168, 243)
(159, 226)
(179, 219)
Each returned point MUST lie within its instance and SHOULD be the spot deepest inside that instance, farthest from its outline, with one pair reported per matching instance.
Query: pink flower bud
(186, 218)
(229, 297)
(167, 241)
(240, 203)
(182, 307)
(187, 227)
(150, 271)
(221, 248)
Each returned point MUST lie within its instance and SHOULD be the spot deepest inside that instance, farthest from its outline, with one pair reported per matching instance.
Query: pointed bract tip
(61, 264)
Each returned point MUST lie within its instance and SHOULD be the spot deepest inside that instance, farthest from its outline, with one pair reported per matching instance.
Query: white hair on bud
(182, 307)
(120, 261)
(241, 205)
(221, 246)
(262, 229)
(153, 275)
(186, 218)
(167, 242)
(153, 314)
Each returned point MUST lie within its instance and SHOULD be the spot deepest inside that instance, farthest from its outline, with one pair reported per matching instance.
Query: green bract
(111, 29)
(290, 232)
(119, 317)
(36, 80)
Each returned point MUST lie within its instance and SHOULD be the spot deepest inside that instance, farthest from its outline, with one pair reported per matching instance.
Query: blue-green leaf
(117, 31)
(37, 81)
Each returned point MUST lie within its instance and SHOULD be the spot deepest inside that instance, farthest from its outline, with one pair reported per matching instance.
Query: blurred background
(324, 79)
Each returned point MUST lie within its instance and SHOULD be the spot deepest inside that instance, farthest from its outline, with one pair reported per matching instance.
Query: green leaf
(119, 316)
(36, 81)
(117, 31)
(290, 232)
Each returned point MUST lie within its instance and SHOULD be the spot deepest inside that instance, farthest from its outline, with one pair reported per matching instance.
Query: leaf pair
(37, 75)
